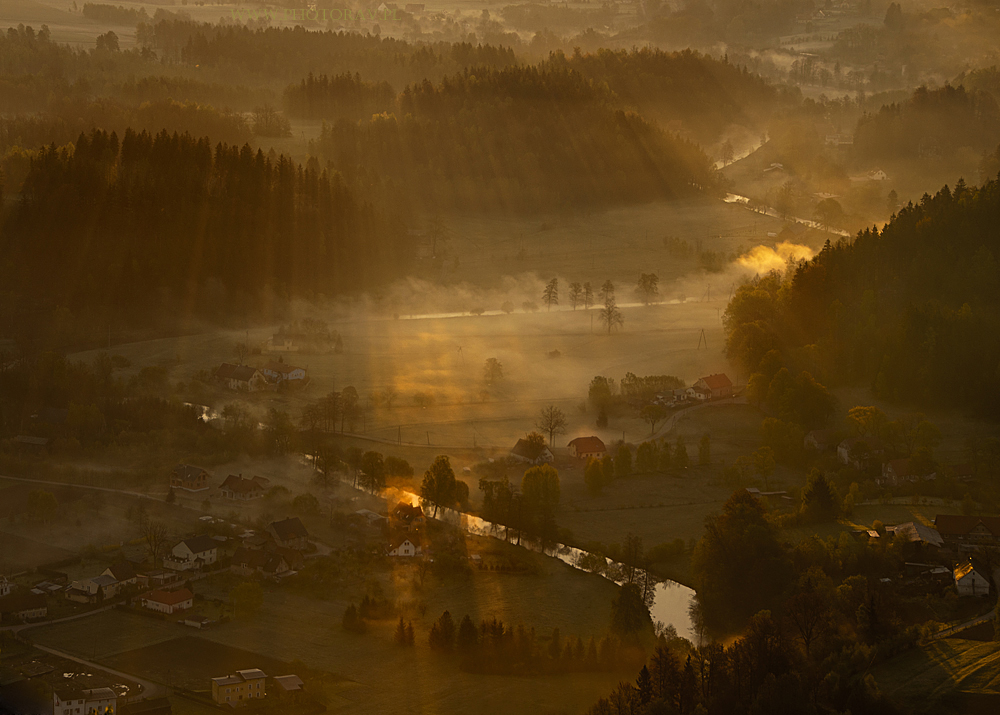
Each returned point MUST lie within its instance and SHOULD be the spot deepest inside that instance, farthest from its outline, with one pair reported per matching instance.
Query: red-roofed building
(169, 602)
(718, 385)
(587, 448)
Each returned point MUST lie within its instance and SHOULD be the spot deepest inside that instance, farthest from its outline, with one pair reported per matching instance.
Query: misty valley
(570, 358)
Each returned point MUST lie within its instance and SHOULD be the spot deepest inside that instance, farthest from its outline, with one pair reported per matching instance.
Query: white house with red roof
(168, 602)
(587, 447)
(402, 546)
(715, 386)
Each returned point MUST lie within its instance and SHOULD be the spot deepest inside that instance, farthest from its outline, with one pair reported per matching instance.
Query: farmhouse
(189, 478)
(22, 606)
(531, 452)
(718, 385)
(915, 532)
(282, 372)
(290, 686)
(92, 590)
(587, 448)
(168, 602)
(285, 343)
(407, 517)
(122, 572)
(5, 586)
(241, 377)
(970, 579)
(193, 553)
(238, 689)
(290, 533)
(69, 700)
(402, 546)
(247, 562)
(237, 488)
(898, 471)
(968, 533)
(857, 452)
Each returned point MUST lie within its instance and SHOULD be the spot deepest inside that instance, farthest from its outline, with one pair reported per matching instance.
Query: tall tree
(551, 293)
(575, 294)
(611, 317)
(438, 486)
(552, 421)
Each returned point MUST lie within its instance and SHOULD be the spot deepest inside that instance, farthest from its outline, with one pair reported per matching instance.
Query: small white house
(970, 581)
(404, 547)
(5, 586)
(282, 372)
(193, 553)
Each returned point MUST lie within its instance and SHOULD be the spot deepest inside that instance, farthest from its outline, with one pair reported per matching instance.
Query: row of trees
(651, 456)
(530, 510)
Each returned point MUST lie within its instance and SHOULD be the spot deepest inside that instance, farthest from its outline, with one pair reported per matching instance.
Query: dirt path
(149, 688)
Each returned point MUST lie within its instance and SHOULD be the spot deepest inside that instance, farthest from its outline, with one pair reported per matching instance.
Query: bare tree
(607, 291)
(241, 349)
(154, 533)
(552, 421)
(588, 296)
(575, 294)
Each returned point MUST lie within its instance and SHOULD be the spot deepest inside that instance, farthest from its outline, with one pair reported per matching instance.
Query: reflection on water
(672, 599)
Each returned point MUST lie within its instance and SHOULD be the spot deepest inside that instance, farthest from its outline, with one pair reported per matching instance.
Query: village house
(69, 699)
(282, 372)
(92, 590)
(899, 471)
(168, 602)
(407, 517)
(155, 578)
(238, 689)
(531, 453)
(285, 343)
(970, 579)
(247, 562)
(241, 377)
(288, 686)
(5, 586)
(122, 572)
(402, 546)
(22, 606)
(237, 488)
(192, 554)
(968, 533)
(587, 448)
(289, 533)
(718, 386)
(916, 533)
(858, 452)
(189, 478)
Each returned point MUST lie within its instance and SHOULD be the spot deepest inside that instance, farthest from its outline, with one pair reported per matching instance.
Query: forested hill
(913, 310)
(704, 93)
(244, 55)
(167, 225)
(517, 138)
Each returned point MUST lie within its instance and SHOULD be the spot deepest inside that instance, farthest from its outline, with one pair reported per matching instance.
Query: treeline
(913, 310)
(156, 225)
(517, 138)
(287, 54)
(932, 124)
(116, 14)
(704, 93)
(343, 96)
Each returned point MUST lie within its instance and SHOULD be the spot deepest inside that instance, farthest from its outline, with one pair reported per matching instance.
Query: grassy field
(293, 626)
(946, 676)
(184, 661)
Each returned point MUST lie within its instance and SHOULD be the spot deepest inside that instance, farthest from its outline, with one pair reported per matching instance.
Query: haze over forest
(621, 357)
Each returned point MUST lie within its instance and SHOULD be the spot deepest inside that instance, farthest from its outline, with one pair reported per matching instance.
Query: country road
(150, 689)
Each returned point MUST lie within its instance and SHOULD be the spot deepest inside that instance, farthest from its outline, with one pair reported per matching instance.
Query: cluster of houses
(246, 378)
(867, 452)
(275, 553)
(248, 686)
(949, 551)
(235, 487)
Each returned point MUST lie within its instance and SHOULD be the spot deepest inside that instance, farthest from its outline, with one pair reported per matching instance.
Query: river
(671, 605)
